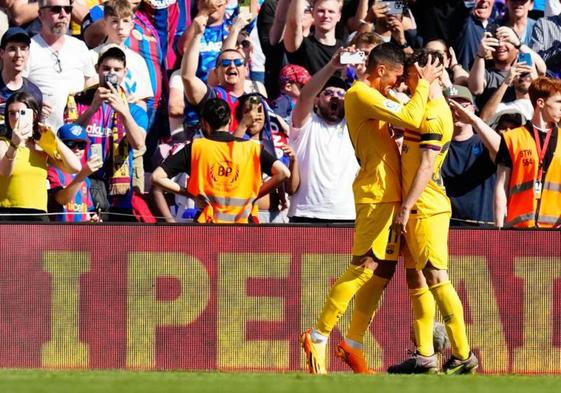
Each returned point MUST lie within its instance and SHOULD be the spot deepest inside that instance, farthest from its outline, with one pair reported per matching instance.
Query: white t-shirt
(43, 70)
(137, 81)
(328, 167)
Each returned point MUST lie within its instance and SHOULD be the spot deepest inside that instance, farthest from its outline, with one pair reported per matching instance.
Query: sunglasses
(333, 93)
(57, 9)
(227, 62)
(76, 144)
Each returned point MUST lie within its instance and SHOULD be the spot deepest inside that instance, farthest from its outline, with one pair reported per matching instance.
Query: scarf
(120, 170)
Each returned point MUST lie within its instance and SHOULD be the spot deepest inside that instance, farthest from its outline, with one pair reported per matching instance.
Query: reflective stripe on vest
(529, 185)
(523, 205)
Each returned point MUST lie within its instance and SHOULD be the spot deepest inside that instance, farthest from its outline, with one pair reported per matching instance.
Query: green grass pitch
(38, 381)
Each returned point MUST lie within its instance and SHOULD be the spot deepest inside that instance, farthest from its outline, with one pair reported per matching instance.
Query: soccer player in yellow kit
(377, 192)
(424, 218)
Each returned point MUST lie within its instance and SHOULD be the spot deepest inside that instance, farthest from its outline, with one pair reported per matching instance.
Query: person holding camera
(24, 154)
(505, 49)
(115, 127)
(257, 122)
(70, 193)
(319, 136)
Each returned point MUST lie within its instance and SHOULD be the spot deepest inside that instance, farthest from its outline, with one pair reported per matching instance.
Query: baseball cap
(72, 132)
(16, 34)
(292, 73)
(457, 91)
(335, 81)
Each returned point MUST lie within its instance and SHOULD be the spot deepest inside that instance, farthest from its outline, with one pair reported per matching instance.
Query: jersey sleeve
(432, 136)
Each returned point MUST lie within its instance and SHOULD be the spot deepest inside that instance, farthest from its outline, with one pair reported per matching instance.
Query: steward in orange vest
(224, 172)
(529, 164)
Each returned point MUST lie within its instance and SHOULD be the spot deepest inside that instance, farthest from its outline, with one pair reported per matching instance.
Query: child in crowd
(70, 194)
(118, 16)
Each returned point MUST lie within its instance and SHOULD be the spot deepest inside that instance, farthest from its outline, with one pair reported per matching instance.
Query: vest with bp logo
(227, 176)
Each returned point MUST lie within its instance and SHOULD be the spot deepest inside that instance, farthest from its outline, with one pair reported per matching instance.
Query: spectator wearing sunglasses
(69, 194)
(231, 73)
(58, 63)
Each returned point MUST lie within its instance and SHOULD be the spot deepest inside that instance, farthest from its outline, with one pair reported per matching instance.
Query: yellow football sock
(450, 307)
(423, 306)
(339, 297)
(366, 302)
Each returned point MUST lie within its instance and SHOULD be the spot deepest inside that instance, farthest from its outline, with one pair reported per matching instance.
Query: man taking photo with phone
(114, 127)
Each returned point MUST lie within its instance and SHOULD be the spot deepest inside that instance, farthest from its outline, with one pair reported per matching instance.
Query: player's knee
(415, 279)
(434, 276)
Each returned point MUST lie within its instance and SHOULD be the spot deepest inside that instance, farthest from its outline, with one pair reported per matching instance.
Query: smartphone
(95, 149)
(525, 58)
(395, 7)
(111, 79)
(25, 118)
(492, 28)
(352, 57)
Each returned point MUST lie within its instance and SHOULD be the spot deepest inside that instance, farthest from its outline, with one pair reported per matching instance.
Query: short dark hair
(113, 53)
(421, 57)
(219, 57)
(243, 99)
(216, 113)
(387, 53)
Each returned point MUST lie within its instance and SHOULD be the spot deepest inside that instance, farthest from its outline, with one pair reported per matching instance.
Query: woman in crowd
(25, 151)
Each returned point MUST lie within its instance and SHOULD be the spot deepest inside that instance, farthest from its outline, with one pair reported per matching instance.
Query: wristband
(13, 145)
(481, 57)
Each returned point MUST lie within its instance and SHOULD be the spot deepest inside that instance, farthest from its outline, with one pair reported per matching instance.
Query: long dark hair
(30, 101)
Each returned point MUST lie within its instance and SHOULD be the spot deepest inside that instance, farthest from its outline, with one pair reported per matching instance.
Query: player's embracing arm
(375, 106)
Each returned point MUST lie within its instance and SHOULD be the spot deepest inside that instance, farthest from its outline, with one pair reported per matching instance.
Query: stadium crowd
(214, 111)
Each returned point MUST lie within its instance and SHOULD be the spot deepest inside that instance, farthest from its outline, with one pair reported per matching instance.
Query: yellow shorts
(373, 231)
(426, 240)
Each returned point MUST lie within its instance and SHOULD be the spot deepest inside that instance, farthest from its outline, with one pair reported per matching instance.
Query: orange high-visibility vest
(524, 210)
(227, 175)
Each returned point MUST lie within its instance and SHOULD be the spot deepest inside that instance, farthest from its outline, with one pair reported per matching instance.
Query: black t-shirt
(274, 54)
(504, 158)
(469, 178)
(181, 161)
(26, 86)
(312, 54)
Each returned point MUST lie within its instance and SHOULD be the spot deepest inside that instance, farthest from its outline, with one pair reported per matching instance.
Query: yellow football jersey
(434, 133)
(368, 113)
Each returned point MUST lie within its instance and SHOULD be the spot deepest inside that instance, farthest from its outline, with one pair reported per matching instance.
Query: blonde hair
(118, 8)
(316, 2)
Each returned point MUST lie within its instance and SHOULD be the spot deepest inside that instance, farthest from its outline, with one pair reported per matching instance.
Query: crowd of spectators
(96, 96)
